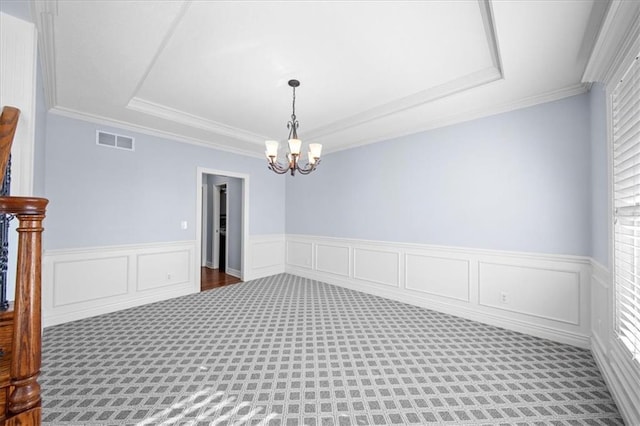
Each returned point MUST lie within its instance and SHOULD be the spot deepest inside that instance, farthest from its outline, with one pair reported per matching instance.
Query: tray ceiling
(216, 72)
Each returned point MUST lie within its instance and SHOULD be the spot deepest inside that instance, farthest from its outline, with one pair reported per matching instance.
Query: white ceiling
(216, 72)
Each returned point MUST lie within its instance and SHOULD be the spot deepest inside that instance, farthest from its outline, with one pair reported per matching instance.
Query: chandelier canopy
(295, 144)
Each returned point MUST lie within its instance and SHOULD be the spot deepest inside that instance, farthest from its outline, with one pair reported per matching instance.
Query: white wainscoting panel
(81, 283)
(377, 266)
(300, 254)
(163, 269)
(438, 276)
(78, 281)
(333, 259)
(267, 256)
(546, 295)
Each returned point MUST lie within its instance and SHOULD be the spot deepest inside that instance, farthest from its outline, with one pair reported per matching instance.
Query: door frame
(215, 236)
(215, 253)
(204, 248)
(244, 231)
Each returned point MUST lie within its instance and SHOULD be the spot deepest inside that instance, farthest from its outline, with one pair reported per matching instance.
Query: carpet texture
(285, 350)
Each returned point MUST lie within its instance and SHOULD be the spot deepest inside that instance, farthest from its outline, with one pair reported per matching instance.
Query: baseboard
(506, 289)
(79, 283)
(233, 272)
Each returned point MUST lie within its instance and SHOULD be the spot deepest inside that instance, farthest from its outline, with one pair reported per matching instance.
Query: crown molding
(461, 84)
(43, 13)
(479, 78)
(166, 113)
(97, 119)
(619, 38)
(441, 122)
(477, 113)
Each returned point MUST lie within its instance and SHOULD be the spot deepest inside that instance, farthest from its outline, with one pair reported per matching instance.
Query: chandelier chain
(293, 124)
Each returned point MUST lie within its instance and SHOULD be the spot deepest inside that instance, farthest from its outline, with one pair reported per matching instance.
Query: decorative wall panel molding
(98, 278)
(80, 283)
(158, 270)
(376, 265)
(266, 256)
(483, 285)
(438, 276)
(299, 253)
(333, 259)
(519, 288)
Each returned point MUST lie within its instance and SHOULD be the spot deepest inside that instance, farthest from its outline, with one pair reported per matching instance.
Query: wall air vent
(114, 141)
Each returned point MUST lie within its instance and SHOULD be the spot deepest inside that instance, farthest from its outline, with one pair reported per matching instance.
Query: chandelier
(293, 157)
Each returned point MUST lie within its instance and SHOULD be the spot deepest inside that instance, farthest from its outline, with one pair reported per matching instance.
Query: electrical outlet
(168, 276)
(504, 297)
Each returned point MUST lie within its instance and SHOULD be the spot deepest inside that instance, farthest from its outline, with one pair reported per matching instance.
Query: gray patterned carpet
(285, 350)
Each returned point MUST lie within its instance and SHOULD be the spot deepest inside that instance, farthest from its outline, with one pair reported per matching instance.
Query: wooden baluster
(26, 354)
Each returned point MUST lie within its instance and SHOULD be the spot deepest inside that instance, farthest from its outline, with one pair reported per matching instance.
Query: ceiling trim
(162, 46)
(97, 119)
(442, 122)
(467, 82)
(486, 10)
(167, 113)
(476, 79)
(43, 13)
(619, 32)
(470, 81)
(476, 114)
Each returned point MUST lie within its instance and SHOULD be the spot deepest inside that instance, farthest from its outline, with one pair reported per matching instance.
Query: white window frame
(626, 174)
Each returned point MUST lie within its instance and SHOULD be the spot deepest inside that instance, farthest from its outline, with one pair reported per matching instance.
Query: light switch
(183, 224)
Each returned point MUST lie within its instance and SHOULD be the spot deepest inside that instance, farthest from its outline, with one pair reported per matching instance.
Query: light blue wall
(103, 196)
(514, 181)
(599, 174)
(17, 8)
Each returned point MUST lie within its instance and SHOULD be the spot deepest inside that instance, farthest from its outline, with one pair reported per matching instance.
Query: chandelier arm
(308, 168)
(278, 168)
(305, 171)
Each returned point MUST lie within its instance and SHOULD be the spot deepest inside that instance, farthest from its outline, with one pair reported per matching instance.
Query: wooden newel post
(27, 337)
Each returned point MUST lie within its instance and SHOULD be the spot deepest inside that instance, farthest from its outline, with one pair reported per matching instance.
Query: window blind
(626, 182)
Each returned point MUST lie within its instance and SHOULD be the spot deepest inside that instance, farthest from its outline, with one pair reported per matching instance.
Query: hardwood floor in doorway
(213, 278)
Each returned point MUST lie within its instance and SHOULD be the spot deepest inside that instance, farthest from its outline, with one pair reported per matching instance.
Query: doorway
(222, 223)
(219, 237)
